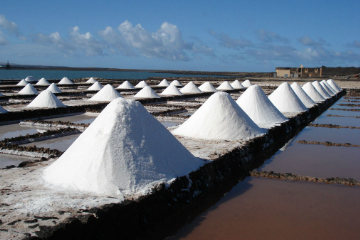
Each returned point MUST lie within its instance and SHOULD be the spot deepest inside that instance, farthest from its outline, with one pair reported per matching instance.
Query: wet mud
(328, 143)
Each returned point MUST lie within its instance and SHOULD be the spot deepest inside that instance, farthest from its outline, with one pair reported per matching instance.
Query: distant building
(298, 72)
(8, 65)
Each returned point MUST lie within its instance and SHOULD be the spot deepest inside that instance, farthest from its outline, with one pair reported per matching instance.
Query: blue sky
(199, 35)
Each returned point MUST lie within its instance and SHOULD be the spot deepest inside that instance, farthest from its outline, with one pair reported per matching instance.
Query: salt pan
(207, 87)
(28, 90)
(225, 86)
(190, 87)
(142, 84)
(171, 90)
(305, 99)
(106, 94)
(65, 81)
(219, 118)
(124, 151)
(313, 93)
(53, 88)
(146, 92)
(126, 85)
(46, 99)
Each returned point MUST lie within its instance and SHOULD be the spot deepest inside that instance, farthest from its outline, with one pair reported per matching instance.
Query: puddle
(61, 143)
(169, 124)
(342, 121)
(15, 130)
(260, 208)
(337, 135)
(80, 118)
(8, 160)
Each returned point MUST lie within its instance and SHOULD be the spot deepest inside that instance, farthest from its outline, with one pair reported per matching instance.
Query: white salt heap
(320, 89)
(43, 81)
(285, 99)
(28, 90)
(237, 84)
(126, 85)
(164, 83)
(147, 92)
(171, 90)
(124, 151)
(332, 90)
(96, 86)
(46, 99)
(66, 81)
(30, 79)
(305, 99)
(141, 84)
(246, 83)
(91, 80)
(106, 94)
(225, 86)
(312, 92)
(207, 87)
(190, 87)
(3, 110)
(22, 83)
(259, 108)
(176, 83)
(334, 85)
(219, 118)
(324, 84)
(53, 88)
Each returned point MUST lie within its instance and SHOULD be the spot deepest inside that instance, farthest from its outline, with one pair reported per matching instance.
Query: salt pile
(225, 86)
(334, 85)
(259, 108)
(285, 99)
(65, 80)
(171, 90)
(96, 86)
(125, 85)
(237, 84)
(207, 87)
(3, 110)
(327, 88)
(146, 92)
(46, 99)
(22, 83)
(176, 83)
(246, 83)
(219, 118)
(91, 80)
(164, 83)
(320, 89)
(106, 94)
(28, 90)
(190, 87)
(142, 84)
(53, 88)
(30, 79)
(305, 99)
(125, 150)
(312, 92)
(43, 81)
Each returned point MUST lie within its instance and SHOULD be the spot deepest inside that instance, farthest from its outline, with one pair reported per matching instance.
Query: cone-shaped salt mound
(28, 90)
(43, 81)
(91, 80)
(207, 87)
(190, 88)
(96, 86)
(106, 94)
(237, 84)
(3, 110)
(334, 85)
(176, 83)
(327, 88)
(46, 99)
(22, 83)
(246, 83)
(125, 150)
(164, 83)
(285, 99)
(53, 88)
(225, 86)
(333, 91)
(258, 107)
(147, 92)
(30, 79)
(171, 90)
(305, 99)
(312, 92)
(320, 89)
(141, 84)
(126, 85)
(65, 80)
(219, 118)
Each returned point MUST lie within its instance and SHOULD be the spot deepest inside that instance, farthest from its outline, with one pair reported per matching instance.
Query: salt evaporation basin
(259, 108)
(219, 118)
(125, 150)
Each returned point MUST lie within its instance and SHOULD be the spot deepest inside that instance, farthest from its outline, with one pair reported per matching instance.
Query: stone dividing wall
(166, 209)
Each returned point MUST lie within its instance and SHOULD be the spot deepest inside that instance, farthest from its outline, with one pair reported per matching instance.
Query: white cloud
(86, 42)
(269, 37)
(8, 25)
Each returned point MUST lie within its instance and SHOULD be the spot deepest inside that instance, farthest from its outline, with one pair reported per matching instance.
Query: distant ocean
(15, 74)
